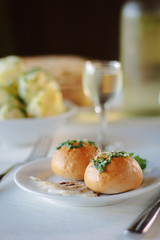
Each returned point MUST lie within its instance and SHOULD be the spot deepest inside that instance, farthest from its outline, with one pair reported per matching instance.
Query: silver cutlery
(40, 149)
(145, 220)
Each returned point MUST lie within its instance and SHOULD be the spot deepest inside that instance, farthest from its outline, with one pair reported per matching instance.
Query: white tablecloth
(26, 216)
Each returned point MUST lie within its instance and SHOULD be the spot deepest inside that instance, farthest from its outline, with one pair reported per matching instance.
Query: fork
(40, 149)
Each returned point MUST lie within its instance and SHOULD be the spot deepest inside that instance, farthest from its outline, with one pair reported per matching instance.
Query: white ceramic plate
(41, 168)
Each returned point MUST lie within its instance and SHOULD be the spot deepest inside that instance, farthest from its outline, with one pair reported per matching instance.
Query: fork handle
(145, 220)
(2, 175)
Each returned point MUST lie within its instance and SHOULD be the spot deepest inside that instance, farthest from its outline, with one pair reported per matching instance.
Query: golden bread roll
(113, 172)
(72, 158)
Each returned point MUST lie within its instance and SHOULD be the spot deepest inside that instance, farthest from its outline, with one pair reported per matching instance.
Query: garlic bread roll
(72, 158)
(111, 173)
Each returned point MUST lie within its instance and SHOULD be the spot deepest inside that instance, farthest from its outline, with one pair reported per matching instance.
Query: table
(25, 216)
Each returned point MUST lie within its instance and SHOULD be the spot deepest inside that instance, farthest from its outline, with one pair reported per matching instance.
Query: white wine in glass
(101, 81)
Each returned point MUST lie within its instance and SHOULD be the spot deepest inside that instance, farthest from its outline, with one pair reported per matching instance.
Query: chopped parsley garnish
(90, 142)
(101, 161)
(75, 144)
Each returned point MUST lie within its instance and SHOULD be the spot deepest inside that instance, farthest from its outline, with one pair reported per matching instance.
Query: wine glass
(101, 81)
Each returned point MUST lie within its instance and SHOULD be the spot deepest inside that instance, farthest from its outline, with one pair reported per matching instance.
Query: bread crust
(120, 175)
(71, 163)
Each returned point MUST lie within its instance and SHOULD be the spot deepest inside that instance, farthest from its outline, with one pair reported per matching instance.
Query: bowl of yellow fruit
(31, 103)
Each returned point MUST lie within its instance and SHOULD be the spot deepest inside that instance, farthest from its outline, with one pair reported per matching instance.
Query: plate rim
(101, 199)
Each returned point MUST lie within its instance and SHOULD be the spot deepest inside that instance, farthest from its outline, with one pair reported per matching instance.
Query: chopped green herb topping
(75, 144)
(90, 142)
(101, 161)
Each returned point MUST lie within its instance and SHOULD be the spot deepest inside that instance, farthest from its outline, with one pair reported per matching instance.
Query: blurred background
(88, 28)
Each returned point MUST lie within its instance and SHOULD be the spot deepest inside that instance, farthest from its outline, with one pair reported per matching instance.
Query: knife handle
(145, 220)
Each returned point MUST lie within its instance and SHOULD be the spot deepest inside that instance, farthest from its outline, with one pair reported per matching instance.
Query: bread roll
(72, 158)
(121, 173)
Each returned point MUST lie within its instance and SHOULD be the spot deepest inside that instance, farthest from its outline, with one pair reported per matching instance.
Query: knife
(145, 220)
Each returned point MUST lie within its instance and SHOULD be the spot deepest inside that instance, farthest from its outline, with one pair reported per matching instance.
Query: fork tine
(41, 148)
(46, 147)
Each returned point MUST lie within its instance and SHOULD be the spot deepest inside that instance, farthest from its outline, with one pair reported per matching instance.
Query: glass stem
(102, 127)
